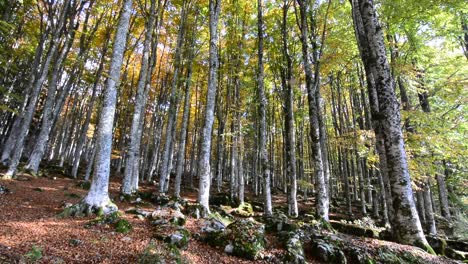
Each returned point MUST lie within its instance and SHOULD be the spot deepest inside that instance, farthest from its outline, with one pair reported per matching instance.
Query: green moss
(123, 226)
(217, 216)
(101, 219)
(35, 254)
(426, 247)
(244, 209)
(38, 189)
(247, 238)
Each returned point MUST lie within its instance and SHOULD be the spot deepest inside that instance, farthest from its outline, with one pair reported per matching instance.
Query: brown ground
(28, 217)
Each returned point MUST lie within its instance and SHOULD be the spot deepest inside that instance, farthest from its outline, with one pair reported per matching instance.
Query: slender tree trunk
(185, 119)
(430, 221)
(130, 182)
(264, 163)
(204, 159)
(443, 194)
(322, 199)
(165, 171)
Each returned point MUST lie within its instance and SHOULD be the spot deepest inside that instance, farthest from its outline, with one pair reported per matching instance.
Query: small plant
(34, 254)
(123, 226)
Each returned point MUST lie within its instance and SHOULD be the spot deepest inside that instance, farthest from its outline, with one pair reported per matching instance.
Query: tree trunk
(405, 222)
(204, 159)
(130, 181)
(98, 195)
(185, 120)
(264, 164)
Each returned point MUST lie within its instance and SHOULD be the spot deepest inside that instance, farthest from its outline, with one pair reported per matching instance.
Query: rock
(169, 215)
(294, 249)
(75, 242)
(228, 249)
(355, 230)
(327, 252)
(456, 254)
(177, 204)
(279, 222)
(160, 199)
(4, 190)
(193, 209)
(179, 239)
(247, 237)
(212, 232)
(66, 205)
(84, 185)
(458, 244)
(23, 178)
(138, 200)
(137, 211)
(140, 217)
(245, 210)
(451, 248)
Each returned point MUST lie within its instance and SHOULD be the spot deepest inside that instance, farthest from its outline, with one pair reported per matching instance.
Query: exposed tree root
(85, 209)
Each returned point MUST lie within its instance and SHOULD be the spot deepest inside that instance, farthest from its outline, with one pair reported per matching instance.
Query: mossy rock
(168, 215)
(193, 209)
(328, 251)
(294, 250)
(160, 199)
(355, 230)
(73, 195)
(180, 238)
(244, 210)
(161, 254)
(145, 195)
(456, 254)
(247, 238)
(279, 222)
(102, 219)
(213, 233)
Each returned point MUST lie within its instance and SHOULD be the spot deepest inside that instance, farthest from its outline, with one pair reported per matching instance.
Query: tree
(264, 164)
(405, 222)
(204, 159)
(97, 198)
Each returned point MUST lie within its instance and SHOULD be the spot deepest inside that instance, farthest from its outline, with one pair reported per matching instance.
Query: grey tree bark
(405, 222)
(165, 171)
(322, 200)
(204, 159)
(29, 111)
(98, 195)
(185, 119)
(264, 163)
(130, 182)
(290, 137)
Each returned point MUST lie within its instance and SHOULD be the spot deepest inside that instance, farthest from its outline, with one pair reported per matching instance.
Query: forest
(233, 131)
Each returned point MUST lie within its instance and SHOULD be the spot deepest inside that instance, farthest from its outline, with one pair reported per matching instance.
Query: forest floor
(29, 226)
